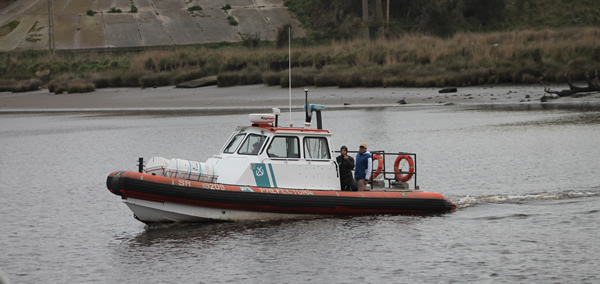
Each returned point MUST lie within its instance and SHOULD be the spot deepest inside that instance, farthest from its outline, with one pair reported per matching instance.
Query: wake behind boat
(266, 172)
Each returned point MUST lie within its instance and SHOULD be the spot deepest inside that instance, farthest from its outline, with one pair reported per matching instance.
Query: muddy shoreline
(259, 97)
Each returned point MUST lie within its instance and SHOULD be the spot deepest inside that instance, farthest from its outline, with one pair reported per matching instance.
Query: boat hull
(164, 199)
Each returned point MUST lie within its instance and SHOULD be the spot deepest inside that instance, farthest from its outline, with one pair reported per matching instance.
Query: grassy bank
(414, 60)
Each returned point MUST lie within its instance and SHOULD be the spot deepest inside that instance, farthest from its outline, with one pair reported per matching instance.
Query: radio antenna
(290, 71)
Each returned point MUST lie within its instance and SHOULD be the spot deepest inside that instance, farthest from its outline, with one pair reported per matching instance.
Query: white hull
(152, 212)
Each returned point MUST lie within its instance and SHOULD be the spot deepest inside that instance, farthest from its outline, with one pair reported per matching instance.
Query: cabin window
(252, 144)
(284, 147)
(235, 142)
(316, 148)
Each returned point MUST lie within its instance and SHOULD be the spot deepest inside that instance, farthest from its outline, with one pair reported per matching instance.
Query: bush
(71, 85)
(325, 79)
(250, 40)
(5, 85)
(20, 86)
(188, 76)
(249, 76)
(252, 76)
(371, 81)
(228, 79)
(271, 78)
(226, 7)
(90, 12)
(194, 8)
(283, 35)
(101, 81)
(80, 86)
(133, 9)
(232, 21)
(301, 77)
(132, 79)
(155, 80)
(348, 80)
(149, 64)
(114, 10)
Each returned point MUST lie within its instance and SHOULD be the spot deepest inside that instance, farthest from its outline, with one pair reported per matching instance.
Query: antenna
(290, 71)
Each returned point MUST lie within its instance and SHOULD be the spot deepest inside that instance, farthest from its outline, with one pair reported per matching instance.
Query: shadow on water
(179, 234)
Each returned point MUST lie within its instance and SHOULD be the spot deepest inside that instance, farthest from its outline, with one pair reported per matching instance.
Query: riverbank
(262, 97)
(413, 61)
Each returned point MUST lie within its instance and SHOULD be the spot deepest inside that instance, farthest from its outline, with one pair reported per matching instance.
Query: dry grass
(522, 57)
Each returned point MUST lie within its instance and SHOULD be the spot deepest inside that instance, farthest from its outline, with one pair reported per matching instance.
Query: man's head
(344, 150)
(256, 147)
(363, 147)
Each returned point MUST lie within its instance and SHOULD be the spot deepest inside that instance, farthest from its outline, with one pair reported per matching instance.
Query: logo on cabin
(259, 171)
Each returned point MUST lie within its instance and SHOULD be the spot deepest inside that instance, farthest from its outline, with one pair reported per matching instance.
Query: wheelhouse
(257, 155)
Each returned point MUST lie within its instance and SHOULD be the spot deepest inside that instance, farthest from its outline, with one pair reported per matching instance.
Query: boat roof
(289, 130)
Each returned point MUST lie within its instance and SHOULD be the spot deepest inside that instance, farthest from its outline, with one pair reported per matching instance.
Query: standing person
(346, 164)
(364, 167)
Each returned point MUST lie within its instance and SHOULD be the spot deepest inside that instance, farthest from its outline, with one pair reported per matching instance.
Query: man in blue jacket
(363, 168)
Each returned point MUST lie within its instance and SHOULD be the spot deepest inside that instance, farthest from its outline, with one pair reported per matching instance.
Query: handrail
(385, 173)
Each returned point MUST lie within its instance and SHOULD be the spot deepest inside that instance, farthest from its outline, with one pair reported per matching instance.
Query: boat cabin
(269, 156)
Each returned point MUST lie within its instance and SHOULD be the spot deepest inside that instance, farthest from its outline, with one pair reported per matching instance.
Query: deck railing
(389, 177)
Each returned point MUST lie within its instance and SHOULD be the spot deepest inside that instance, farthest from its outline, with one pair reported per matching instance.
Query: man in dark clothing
(346, 166)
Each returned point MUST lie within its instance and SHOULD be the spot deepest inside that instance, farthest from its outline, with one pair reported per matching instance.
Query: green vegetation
(251, 41)
(90, 12)
(114, 10)
(342, 19)
(133, 9)
(226, 7)
(232, 21)
(9, 27)
(194, 8)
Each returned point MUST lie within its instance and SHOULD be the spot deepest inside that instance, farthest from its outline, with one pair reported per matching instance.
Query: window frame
(304, 152)
(232, 140)
(286, 137)
(247, 139)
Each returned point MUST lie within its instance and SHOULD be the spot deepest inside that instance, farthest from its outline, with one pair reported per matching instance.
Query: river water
(525, 179)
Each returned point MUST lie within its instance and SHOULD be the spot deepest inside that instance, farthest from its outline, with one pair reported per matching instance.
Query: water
(525, 179)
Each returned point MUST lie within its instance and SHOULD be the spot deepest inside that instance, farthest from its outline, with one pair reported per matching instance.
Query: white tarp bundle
(191, 170)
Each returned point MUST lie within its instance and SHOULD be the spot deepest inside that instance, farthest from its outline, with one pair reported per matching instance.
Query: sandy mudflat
(263, 97)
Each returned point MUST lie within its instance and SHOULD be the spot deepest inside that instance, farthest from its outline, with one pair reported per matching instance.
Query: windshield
(252, 144)
(235, 142)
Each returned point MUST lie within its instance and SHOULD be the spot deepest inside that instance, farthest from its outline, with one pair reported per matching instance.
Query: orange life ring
(411, 168)
(379, 166)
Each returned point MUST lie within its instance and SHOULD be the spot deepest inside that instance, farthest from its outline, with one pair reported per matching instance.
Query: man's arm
(369, 168)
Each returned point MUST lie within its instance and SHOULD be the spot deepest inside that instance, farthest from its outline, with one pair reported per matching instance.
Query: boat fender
(379, 166)
(112, 183)
(411, 167)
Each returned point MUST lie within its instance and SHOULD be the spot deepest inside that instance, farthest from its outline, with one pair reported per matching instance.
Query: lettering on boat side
(215, 186)
(183, 182)
(286, 191)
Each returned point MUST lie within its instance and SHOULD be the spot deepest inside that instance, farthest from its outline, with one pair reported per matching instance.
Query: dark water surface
(526, 180)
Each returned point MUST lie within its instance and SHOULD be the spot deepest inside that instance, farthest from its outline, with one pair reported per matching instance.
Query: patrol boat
(266, 172)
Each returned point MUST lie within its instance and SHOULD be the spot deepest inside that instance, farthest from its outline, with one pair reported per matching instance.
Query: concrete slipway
(156, 23)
